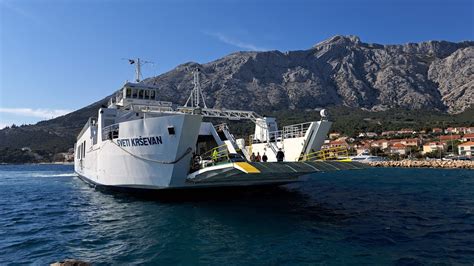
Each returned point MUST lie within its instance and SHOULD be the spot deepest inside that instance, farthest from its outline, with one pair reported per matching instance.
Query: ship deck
(271, 171)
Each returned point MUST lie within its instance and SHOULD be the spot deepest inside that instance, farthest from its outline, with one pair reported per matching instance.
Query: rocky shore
(425, 163)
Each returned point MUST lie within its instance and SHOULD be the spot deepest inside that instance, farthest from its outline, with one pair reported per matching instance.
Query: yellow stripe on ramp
(247, 168)
(346, 160)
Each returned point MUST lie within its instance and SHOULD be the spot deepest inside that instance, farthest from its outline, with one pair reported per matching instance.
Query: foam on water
(375, 216)
(53, 174)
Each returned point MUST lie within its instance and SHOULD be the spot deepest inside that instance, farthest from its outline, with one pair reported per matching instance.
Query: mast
(196, 95)
(138, 67)
(138, 71)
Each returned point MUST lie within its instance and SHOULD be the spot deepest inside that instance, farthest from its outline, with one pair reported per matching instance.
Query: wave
(52, 175)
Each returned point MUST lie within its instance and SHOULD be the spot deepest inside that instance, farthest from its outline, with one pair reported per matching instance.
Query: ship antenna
(138, 67)
(196, 93)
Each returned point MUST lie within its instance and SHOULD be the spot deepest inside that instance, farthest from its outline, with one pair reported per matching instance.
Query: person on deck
(252, 157)
(258, 158)
(264, 158)
(280, 155)
(215, 154)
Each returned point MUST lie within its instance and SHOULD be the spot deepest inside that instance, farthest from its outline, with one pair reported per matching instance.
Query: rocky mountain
(340, 71)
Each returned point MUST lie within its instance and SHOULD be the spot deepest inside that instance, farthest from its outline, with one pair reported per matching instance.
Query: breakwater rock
(71, 262)
(425, 163)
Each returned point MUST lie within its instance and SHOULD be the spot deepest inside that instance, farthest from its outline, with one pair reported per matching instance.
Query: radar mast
(138, 67)
(196, 95)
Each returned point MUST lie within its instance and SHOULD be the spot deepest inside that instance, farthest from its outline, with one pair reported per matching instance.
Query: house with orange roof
(414, 142)
(466, 149)
(399, 148)
(446, 138)
(433, 146)
(381, 143)
(338, 143)
(468, 137)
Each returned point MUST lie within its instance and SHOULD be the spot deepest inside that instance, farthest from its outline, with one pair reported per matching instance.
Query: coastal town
(435, 143)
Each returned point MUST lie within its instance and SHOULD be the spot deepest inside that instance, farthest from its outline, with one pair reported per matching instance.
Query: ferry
(141, 142)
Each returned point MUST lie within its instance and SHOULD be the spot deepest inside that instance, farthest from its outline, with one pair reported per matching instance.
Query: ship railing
(215, 156)
(157, 106)
(288, 132)
(92, 121)
(333, 153)
(110, 132)
(296, 130)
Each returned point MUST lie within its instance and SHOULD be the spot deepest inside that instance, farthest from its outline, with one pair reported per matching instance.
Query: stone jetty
(71, 262)
(425, 163)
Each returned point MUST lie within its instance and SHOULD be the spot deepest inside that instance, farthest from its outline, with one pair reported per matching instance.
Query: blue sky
(58, 56)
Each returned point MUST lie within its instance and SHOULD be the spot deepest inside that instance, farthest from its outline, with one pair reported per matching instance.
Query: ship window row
(140, 94)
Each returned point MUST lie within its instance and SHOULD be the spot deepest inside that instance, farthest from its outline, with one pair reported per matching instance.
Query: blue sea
(381, 216)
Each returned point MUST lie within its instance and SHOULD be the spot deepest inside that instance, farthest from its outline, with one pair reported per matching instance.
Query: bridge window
(128, 93)
(135, 93)
(152, 95)
(147, 94)
(140, 94)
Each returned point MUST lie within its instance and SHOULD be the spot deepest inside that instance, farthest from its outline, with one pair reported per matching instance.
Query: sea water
(374, 216)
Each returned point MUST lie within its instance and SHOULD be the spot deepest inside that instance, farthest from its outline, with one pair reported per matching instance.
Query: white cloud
(40, 113)
(234, 42)
(3, 125)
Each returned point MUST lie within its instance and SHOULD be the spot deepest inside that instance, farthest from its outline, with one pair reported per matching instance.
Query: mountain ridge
(339, 71)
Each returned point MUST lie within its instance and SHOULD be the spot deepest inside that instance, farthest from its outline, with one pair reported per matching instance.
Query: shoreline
(455, 164)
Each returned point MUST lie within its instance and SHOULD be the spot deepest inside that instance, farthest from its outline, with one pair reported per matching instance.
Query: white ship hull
(140, 165)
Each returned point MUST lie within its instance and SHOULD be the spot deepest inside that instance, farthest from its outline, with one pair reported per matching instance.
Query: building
(414, 142)
(446, 138)
(398, 148)
(466, 149)
(406, 131)
(437, 130)
(468, 137)
(458, 130)
(434, 147)
(368, 135)
(338, 143)
(334, 135)
(381, 144)
(389, 133)
(451, 130)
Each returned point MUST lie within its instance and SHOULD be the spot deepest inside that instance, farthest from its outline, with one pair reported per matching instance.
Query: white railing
(110, 132)
(296, 131)
(288, 132)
